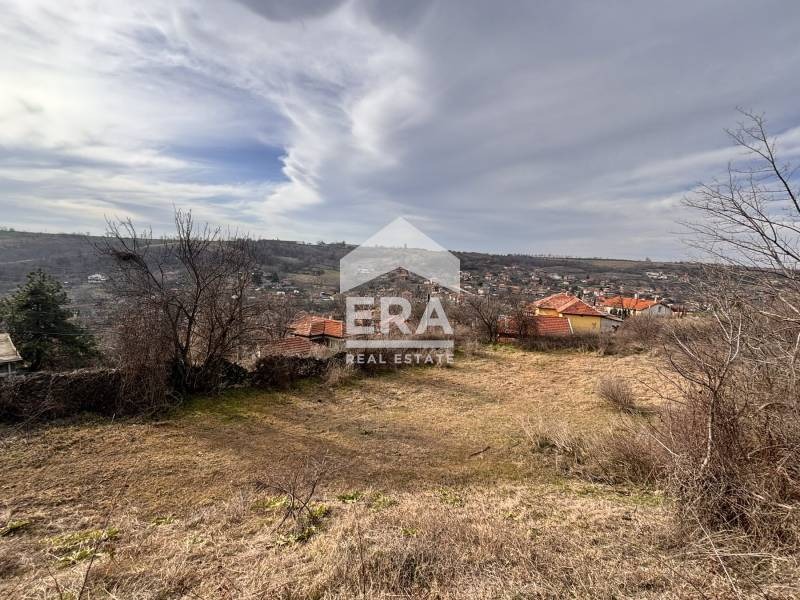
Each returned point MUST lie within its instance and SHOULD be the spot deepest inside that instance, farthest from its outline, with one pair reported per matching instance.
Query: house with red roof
(308, 334)
(319, 330)
(534, 326)
(635, 306)
(582, 317)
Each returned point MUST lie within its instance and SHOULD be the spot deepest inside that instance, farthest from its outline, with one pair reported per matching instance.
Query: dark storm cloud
(397, 17)
(291, 10)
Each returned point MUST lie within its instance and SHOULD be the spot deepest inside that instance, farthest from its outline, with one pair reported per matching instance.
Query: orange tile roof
(568, 305)
(555, 301)
(539, 325)
(551, 326)
(313, 326)
(291, 346)
(628, 303)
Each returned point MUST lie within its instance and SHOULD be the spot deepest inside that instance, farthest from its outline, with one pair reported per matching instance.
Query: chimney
(636, 296)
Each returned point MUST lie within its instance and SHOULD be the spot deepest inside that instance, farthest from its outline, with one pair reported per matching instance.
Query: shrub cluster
(128, 391)
(643, 332)
(584, 342)
(48, 395)
(278, 371)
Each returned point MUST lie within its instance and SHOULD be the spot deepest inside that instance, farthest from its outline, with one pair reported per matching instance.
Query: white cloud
(512, 127)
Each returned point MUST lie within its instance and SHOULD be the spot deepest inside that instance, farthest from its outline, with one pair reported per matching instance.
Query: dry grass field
(426, 487)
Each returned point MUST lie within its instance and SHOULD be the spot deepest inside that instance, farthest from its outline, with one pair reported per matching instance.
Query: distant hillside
(72, 257)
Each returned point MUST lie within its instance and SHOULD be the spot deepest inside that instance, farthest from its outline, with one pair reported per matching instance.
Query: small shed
(10, 360)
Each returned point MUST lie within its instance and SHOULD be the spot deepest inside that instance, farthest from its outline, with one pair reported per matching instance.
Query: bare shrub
(582, 342)
(141, 346)
(618, 394)
(733, 435)
(277, 371)
(466, 339)
(641, 333)
(735, 450)
(298, 487)
(52, 395)
(321, 351)
(338, 372)
(276, 315)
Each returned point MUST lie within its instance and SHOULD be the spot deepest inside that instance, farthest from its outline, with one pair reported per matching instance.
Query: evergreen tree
(38, 322)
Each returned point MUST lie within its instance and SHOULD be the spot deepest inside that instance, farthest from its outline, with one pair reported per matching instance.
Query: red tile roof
(551, 326)
(628, 303)
(313, 326)
(291, 346)
(538, 325)
(555, 301)
(568, 305)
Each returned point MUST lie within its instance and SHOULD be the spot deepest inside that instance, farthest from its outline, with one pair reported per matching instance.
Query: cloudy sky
(514, 126)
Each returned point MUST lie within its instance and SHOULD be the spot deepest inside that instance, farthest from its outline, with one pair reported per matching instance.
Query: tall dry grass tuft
(618, 394)
(629, 454)
(625, 453)
(338, 372)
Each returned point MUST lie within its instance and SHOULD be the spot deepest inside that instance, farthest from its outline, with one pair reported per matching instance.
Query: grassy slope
(436, 519)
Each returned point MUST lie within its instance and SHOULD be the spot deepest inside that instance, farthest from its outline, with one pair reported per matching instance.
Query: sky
(515, 126)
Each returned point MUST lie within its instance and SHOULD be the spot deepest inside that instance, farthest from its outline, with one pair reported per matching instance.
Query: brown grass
(618, 393)
(436, 493)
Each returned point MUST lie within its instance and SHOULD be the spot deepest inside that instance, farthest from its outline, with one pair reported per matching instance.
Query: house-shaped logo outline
(399, 245)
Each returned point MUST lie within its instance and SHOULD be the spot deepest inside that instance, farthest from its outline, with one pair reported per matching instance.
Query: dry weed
(618, 394)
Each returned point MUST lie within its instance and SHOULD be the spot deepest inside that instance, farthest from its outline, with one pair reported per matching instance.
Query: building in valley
(10, 360)
(582, 317)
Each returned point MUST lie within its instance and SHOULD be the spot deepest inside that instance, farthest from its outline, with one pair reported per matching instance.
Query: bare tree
(522, 317)
(750, 229)
(197, 281)
(485, 312)
(277, 315)
(734, 434)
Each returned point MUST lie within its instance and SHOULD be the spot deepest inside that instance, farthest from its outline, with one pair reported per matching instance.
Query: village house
(319, 330)
(308, 335)
(635, 306)
(582, 317)
(10, 360)
(534, 326)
